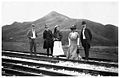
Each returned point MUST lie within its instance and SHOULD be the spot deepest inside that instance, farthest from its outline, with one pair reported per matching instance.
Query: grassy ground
(95, 51)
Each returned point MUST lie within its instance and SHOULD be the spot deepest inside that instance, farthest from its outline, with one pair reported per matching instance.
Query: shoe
(31, 54)
(51, 54)
(86, 59)
(35, 54)
(58, 56)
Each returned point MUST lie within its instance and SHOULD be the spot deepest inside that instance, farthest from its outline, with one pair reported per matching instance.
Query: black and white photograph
(59, 38)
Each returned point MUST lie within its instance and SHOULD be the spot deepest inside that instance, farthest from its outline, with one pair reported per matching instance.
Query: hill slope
(102, 35)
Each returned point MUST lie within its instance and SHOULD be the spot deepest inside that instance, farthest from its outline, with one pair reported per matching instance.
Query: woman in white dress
(57, 48)
(73, 39)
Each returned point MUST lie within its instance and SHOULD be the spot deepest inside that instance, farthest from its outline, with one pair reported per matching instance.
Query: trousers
(51, 51)
(86, 47)
(32, 46)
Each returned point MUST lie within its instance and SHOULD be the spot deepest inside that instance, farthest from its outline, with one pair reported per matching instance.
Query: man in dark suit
(86, 38)
(32, 35)
(48, 40)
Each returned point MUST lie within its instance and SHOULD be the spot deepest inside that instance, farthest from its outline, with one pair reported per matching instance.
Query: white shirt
(34, 36)
(83, 34)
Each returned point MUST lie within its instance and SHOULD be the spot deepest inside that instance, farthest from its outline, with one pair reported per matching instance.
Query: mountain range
(103, 35)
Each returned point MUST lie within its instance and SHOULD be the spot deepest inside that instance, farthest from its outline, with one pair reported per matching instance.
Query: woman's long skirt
(72, 53)
(57, 49)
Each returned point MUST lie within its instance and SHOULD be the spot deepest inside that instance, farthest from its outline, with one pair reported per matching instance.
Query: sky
(23, 11)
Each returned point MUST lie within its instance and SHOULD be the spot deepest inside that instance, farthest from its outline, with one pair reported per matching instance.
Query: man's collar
(84, 28)
(33, 30)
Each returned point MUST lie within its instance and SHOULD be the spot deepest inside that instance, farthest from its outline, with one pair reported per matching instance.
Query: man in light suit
(86, 38)
(32, 35)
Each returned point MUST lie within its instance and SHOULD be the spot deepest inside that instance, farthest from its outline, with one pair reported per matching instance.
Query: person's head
(73, 28)
(84, 24)
(57, 27)
(46, 27)
(33, 26)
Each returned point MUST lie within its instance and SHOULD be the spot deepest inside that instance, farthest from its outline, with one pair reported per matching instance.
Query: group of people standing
(53, 41)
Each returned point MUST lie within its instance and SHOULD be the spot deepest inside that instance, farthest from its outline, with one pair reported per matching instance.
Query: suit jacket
(88, 35)
(48, 39)
(30, 34)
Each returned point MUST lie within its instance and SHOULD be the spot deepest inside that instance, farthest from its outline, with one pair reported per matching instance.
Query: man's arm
(36, 34)
(81, 36)
(44, 35)
(28, 34)
(90, 34)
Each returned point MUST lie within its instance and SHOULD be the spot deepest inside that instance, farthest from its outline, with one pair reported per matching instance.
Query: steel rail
(82, 70)
(51, 59)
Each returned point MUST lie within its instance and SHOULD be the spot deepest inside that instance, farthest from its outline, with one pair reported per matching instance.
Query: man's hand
(68, 45)
(78, 46)
(29, 37)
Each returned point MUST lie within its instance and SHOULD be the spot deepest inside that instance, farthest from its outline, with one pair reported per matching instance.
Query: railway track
(23, 70)
(92, 59)
(51, 59)
(12, 72)
(52, 66)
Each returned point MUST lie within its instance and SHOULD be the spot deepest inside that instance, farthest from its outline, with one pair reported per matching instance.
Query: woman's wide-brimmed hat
(73, 27)
(57, 26)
